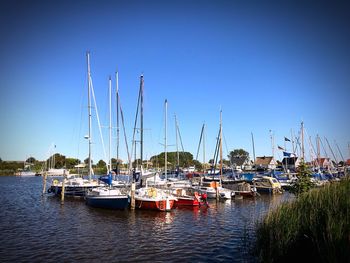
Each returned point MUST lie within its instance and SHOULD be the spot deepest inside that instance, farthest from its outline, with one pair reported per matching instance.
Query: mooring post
(132, 193)
(62, 192)
(217, 191)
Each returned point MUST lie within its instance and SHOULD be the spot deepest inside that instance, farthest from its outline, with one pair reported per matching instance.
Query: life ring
(55, 182)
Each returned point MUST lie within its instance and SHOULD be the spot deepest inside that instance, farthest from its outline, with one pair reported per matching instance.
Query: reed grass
(314, 226)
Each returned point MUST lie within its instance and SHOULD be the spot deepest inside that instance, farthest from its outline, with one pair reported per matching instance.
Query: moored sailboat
(151, 198)
(107, 196)
(77, 185)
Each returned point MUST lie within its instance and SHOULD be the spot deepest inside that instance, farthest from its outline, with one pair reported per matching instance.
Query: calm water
(36, 228)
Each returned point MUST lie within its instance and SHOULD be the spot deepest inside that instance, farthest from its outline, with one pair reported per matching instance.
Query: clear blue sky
(266, 65)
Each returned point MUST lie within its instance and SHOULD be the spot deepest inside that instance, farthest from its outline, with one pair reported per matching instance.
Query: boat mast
(117, 93)
(341, 155)
(292, 138)
(221, 163)
(272, 145)
(318, 148)
(165, 140)
(204, 147)
(89, 112)
(177, 145)
(110, 124)
(253, 146)
(302, 142)
(330, 148)
(141, 128)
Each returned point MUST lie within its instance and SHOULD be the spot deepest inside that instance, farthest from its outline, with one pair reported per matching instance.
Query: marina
(174, 131)
(35, 226)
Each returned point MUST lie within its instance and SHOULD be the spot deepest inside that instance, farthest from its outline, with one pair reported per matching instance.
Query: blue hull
(69, 191)
(109, 202)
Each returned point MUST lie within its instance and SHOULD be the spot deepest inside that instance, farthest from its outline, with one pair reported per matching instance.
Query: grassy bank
(315, 227)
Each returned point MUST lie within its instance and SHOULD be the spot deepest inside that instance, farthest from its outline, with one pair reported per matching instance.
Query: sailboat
(108, 196)
(26, 171)
(213, 188)
(152, 198)
(77, 186)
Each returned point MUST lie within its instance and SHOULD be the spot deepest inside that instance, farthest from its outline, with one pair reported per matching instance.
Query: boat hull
(158, 205)
(119, 202)
(182, 201)
(74, 191)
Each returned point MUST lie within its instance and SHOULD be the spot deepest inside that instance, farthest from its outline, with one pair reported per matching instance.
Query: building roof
(322, 161)
(265, 160)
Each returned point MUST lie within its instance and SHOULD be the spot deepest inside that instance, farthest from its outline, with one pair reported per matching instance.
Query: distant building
(265, 162)
(239, 161)
(323, 163)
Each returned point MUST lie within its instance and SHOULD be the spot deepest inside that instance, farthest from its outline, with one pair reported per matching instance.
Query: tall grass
(315, 226)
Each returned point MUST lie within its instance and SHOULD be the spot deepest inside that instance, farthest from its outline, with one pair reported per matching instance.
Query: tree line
(58, 161)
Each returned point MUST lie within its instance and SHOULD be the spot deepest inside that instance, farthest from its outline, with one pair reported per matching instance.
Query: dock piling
(132, 193)
(62, 192)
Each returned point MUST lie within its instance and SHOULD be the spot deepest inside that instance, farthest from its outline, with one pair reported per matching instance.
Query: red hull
(153, 205)
(187, 202)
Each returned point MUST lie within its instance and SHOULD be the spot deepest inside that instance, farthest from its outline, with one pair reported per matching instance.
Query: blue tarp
(106, 179)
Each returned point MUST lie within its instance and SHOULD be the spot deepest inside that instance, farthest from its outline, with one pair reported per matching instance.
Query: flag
(287, 154)
(280, 148)
(286, 139)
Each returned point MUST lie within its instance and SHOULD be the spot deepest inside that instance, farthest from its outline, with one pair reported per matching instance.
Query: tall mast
(330, 148)
(204, 146)
(220, 144)
(272, 144)
(177, 145)
(292, 138)
(165, 140)
(89, 111)
(253, 147)
(302, 142)
(318, 148)
(117, 93)
(341, 155)
(110, 124)
(141, 128)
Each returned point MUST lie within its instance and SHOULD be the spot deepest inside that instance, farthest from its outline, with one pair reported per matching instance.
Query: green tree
(197, 164)
(303, 183)
(86, 161)
(31, 160)
(185, 159)
(71, 162)
(101, 164)
(238, 156)
(57, 161)
(226, 162)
